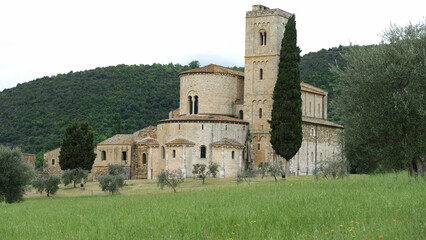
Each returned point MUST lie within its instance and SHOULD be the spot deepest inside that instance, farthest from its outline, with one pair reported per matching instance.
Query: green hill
(34, 115)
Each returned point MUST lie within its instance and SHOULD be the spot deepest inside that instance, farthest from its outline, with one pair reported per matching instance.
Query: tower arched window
(190, 104)
(203, 152)
(196, 105)
(260, 112)
(163, 150)
(103, 155)
(144, 158)
(261, 74)
(174, 153)
(262, 38)
(241, 114)
(233, 154)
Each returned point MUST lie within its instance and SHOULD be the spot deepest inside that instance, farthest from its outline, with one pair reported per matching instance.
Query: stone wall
(51, 162)
(30, 159)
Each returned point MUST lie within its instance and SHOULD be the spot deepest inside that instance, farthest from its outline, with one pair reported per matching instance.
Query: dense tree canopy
(381, 97)
(286, 119)
(77, 147)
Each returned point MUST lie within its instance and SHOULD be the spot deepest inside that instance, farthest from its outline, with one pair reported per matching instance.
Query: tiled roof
(309, 88)
(195, 118)
(180, 141)
(228, 142)
(212, 68)
(321, 122)
(147, 141)
(119, 139)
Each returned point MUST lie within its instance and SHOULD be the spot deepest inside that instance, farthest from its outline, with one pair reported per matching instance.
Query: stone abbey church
(223, 117)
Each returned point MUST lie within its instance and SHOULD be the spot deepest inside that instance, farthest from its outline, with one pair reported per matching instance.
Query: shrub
(114, 180)
(14, 174)
(332, 168)
(170, 178)
(111, 183)
(213, 168)
(263, 168)
(200, 170)
(47, 184)
(246, 175)
(276, 169)
(74, 176)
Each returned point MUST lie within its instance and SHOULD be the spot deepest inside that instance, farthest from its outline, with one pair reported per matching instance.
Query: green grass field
(391, 206)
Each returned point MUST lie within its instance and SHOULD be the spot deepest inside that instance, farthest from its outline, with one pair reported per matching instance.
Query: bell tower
(264, 32)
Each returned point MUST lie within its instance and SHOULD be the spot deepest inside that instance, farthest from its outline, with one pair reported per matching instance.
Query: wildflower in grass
(230, 239)
(263, 211)
(380, 237)
(341, 226)
(253, 221)
(351, 229)
(326, 233)
(356, 222)
(332, 230)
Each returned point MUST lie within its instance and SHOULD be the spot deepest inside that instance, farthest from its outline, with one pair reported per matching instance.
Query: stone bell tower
(264, 32)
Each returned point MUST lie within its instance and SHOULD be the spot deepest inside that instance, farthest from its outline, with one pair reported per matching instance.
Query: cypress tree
(286, 120)
(77, 147)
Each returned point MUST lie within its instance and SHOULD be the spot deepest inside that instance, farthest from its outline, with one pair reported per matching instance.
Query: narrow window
(260, 112)
(241, 114)
(261, 74)
(203, 152)
(312, 132)
(264, 39)
(144, 158)
(124, 156)
(163, 152)
(53, 161)
(179, 126)
(190, 104)
(174, 153)
(261, 38)
(103, 155)
(233, 154)
(258, 146)
(196, 105)
(202, 126)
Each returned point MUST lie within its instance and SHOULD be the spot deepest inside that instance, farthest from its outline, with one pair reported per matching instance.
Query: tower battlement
(261, 10)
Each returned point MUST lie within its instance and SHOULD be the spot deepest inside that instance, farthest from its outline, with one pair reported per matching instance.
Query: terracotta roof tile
(212, 68)
(212, 118)
(309, 88)
(321, 122)
(147, 141)
(180, 141)
(119, 139)
(228, 142)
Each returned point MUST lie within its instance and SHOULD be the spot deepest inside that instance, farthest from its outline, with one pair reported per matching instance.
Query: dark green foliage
(286, 117)
(213, 168)
(111, 183)
(77, 147)
(48, 184)
(315, 70)
(34, 115)
(119, 125)
(381, 98)
(14, 174)
(170, 179)
(74, 176)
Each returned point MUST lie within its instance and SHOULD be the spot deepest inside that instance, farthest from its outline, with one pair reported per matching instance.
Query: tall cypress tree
(286, 120)
(77, 147)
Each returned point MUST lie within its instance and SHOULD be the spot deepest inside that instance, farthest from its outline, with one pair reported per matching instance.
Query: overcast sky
(46, 37)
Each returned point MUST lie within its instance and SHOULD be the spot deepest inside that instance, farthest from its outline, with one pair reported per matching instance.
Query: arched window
(258, 146)
(144, 158)
(260, 112)
(202, 126)
(163, 152)
(174, 153)
(233, 154)
(190, 104)
(203, 152)
(103, 155)
(241, 114)
(262, 38)
(312, 132)
(196, 105)
(53, 161)
(261, 74)
(124, 156)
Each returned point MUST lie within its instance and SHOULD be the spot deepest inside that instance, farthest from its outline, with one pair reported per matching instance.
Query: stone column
(222, 163)
(150, 163)
(183, 161)
(241, 161)
(167, 156)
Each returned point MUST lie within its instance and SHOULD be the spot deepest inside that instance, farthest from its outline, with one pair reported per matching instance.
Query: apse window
(203, 152)
(261, 74)
(312, 132)
(233, 154)
(144, 158)
(124, 156)
(262, 38)
(103, 155)
(174, 153)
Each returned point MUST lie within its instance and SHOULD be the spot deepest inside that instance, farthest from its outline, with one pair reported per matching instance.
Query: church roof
(206, 118)
(309, 88)
(228, 143)
(147, 141)
(119, 139)
(212, 68)
(321, 122)
(180, 141)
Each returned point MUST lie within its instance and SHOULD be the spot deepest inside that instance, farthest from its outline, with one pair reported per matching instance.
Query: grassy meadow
(391, 206)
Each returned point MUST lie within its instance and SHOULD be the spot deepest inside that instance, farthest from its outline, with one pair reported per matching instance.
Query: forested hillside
(34, 115)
